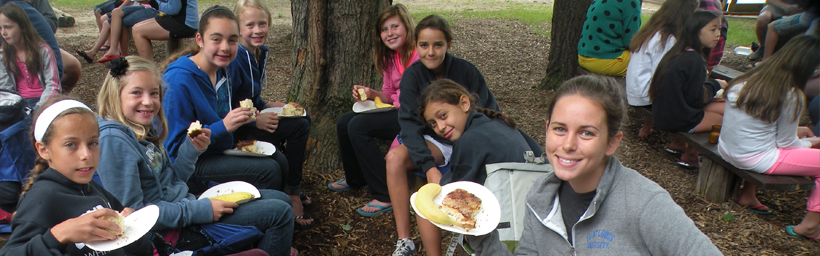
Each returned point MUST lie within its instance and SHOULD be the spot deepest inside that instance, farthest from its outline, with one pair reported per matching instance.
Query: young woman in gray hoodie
(591, 204)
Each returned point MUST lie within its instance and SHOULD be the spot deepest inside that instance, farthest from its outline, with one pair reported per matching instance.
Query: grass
(741, 32)
(530, 14)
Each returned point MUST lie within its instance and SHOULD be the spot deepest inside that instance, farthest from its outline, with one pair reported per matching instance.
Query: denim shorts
(135, 14)
(105, 7)
(789, 25)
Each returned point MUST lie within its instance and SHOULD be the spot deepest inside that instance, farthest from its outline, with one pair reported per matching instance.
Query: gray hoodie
(629, 215)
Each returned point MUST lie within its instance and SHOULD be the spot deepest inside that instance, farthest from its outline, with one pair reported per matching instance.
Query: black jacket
(684, 92)
(51, 200)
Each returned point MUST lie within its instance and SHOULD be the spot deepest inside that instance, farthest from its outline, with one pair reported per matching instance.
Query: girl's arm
(787, 126)
(485, 96)
(30, 238)
(660, 215)
(6, 79)
(49, 77)
(691, 74)
(412, 129)
(185, 162)
(390, 90)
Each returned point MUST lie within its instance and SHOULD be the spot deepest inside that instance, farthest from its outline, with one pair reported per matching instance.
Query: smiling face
(432, 45)
(219, 42)
(394, 33)
(73, 148)
(140, 98)
(448, 120)
(253, 26)
(10, 31)
(577, 145)
(710, 34)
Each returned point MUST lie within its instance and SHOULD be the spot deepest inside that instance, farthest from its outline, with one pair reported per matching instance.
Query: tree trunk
(332, 49)
(567, 20)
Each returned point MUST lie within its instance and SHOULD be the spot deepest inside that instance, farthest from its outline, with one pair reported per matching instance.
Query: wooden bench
(718, 180)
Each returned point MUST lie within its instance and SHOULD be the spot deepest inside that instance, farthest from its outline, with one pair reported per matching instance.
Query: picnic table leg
(715, 183)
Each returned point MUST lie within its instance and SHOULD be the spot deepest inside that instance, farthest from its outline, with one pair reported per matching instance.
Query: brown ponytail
(191, 49)
(450, 92)
(40, 166)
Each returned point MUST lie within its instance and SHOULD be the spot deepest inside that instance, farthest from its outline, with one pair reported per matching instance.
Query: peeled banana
(362, 94)
(234, 197)
(380, 104)
(425, 205)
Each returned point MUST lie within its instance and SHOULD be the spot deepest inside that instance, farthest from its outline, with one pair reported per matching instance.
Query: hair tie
(118, 66)
(48, 115)
(214, 9)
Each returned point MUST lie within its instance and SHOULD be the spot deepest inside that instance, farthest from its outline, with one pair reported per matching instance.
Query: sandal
(305, 199)
(759, 209)
(84, 55)
(790, 231)
(339, 182)
(305, 216)
(689, 166)
(105, 48)
(106, 58)
(673, 152)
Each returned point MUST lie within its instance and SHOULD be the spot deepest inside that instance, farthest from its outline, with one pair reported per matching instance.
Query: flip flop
(371, 214)
(305, 199)
(673, 152)
(84, 55)
(790, 231)
(106, 58)
(105, 48)
(758, 209)
(339, 182)
(689, 166)
(305, 216)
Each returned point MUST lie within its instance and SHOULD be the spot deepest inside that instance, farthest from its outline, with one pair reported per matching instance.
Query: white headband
(48, 115)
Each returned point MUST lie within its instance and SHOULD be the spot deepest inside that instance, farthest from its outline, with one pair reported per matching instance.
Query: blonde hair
(109, 101)
(40, 163)
(243, 5)
(382, 55)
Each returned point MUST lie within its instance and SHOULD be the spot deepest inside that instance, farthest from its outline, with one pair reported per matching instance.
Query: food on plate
(234, 197)
(194, 129)
(362, 94)
(431, 211)
(119, 220)
(380, 104)
(463, 206)
(248, 103)
(293, 109)
(247, 146)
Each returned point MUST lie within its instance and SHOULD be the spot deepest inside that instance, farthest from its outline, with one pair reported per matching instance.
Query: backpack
(11, 108)
(222, 239)
(510, 183)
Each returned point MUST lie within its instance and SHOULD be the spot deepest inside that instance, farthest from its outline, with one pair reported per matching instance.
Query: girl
(604, 44)
(682, 98)
(764, 107)
(648, 47)
(581, 207)
(251, 59)
(61, 208)
(423, 150)
(28, 66)
(124, 16)
(138, 170)
(177, 19)
(476, 133)
(362, 160)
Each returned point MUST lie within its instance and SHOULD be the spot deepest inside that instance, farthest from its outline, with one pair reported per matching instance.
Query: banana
(234, 197)
(380, 104)
(362, 95)
(425, 205)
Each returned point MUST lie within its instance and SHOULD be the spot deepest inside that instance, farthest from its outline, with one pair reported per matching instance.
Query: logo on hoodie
(599, 239)
(155, 157)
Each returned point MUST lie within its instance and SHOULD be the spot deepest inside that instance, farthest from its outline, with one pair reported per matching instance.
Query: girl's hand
(202, 140)
(804, 132)
(433, 175)
(86, 228)
(367, 91)
(237, 117)
(126, 211)
(221, 208)
(815, 142)
(267, 122)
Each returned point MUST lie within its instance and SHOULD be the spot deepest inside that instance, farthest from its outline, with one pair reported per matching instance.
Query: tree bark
(567, 20)
(332, 49)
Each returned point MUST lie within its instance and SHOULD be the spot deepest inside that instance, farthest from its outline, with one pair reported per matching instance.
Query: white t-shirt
(642, 65)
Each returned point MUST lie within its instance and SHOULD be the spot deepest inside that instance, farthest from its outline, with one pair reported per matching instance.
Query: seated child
(604, 44)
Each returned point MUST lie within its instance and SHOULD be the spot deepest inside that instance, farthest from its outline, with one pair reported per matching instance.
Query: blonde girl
(61, 207)
(28, 64)
(363, 162)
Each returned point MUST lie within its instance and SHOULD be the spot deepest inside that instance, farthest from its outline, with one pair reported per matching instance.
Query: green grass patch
(75, 3)
(526, 13)
(741, 32)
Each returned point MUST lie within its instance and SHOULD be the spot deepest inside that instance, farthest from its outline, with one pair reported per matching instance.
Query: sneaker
(757, 55)
(404, 247)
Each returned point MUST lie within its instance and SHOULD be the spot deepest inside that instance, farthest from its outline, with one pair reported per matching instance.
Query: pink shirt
(392, 77)
(28, 85)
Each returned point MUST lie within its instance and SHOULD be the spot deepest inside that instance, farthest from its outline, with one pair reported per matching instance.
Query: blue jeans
(293, 132)
(262, 172)
(134, 14)
(272, 215)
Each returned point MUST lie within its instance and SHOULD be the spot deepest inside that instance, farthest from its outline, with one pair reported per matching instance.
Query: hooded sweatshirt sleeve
(50, 77)
(660, 215)
(29, 238)
(180, 108)
(412, 128)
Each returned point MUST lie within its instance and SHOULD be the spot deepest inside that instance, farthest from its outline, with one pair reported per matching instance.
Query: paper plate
(230, 188)
(278, 111)
(743, 50)
(719, 93)
(486, 220)
(369, 106)
(266, 148)
(136, 225)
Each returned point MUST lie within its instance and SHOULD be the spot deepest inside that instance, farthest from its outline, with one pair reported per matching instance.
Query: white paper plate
(266, 148)
(486, 220)
(743, 50)
(369, 106)
(136, 225)
(719, 93)
(278, 111)
(230, 188)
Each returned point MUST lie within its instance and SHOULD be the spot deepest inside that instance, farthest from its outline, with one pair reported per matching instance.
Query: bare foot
(807, 232)
(645, 131)
(299, 210)
(369, 208)
(750, 201)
